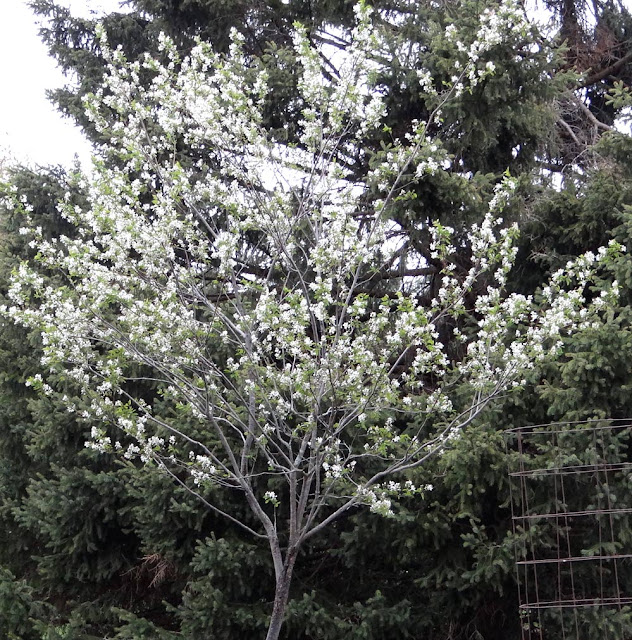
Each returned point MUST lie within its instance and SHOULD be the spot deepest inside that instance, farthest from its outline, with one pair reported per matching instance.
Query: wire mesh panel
(571, 501)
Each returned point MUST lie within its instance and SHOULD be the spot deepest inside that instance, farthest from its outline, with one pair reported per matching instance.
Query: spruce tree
(448, 564)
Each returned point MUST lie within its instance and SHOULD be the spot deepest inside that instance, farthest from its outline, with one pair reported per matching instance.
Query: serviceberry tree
(269, 295)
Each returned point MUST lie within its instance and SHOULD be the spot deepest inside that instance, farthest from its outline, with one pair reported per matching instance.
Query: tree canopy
(292, 238)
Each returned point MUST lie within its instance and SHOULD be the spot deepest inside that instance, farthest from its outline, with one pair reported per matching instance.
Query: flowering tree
(268, 294)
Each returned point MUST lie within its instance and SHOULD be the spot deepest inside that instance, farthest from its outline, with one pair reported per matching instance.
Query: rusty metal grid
(571, 509)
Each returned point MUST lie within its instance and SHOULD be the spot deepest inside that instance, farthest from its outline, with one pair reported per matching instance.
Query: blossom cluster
(505, 24)
(245, 283)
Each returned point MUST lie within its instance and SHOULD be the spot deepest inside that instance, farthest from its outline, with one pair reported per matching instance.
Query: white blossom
(243, 285)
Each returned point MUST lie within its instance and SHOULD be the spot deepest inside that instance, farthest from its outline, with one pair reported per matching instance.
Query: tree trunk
(281, 595)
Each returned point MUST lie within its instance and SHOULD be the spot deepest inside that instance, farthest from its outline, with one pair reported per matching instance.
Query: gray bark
(282, 594)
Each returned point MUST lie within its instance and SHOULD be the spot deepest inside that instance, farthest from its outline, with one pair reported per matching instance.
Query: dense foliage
(93, 546)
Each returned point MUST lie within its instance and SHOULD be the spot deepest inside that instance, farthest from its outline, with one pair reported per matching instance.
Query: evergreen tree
(448, 567)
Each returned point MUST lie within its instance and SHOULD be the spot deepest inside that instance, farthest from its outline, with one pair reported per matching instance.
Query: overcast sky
(30, 129)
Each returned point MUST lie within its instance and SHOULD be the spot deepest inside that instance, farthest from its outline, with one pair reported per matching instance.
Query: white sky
(31, 130)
